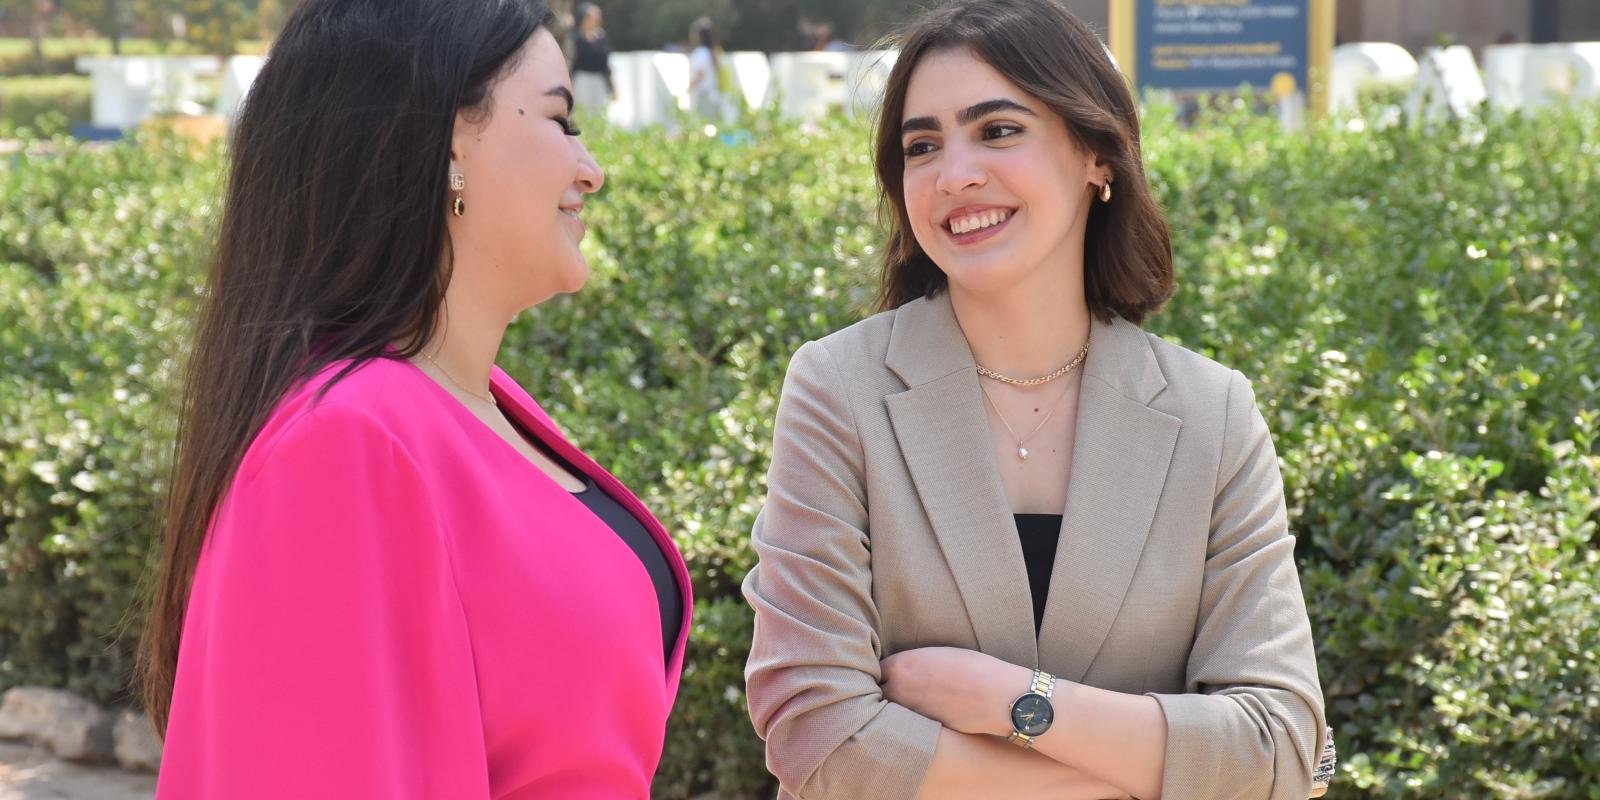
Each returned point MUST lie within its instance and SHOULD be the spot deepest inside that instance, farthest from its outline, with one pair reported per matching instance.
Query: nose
(590, 176)
(959, 170)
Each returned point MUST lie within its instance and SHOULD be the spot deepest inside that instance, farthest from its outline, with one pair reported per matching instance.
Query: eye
(918, 149)
(567, 127)
(1000, 130)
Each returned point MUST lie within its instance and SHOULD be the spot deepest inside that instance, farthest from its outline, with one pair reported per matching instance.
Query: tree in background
(270, 16)
(216, 26)
(773, 25)
(33, 13)
(789, 25)
(155, 17)
(657, 24)
(109, 18)
(768, 25)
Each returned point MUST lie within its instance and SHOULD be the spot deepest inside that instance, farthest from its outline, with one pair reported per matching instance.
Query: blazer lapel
(944, 436)
(526, 412)
(1121, 453)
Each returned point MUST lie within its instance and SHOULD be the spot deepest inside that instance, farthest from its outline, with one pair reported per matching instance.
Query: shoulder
(1199, 387)
(846, 362)
(337, 416)
(1186, 370)
(859, 346)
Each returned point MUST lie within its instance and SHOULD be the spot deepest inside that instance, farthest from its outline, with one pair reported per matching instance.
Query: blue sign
(1218, 45)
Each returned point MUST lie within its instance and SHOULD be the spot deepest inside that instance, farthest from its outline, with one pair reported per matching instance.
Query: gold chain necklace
(453, 382)
(1040, 381)
(1022, 450)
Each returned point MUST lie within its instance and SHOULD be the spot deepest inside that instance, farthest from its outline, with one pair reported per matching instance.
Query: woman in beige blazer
(1014, 546)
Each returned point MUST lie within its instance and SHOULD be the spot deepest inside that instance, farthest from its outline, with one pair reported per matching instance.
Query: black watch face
(1031, 715)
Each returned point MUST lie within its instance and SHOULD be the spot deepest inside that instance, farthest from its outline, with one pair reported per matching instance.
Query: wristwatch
(1031, 714)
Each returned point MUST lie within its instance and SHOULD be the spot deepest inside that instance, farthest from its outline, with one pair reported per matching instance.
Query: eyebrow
(563, 93)
(966, 116)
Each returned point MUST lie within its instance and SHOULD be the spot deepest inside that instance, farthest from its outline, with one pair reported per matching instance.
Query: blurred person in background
(825, 41)
(592, 86)
(708, 78)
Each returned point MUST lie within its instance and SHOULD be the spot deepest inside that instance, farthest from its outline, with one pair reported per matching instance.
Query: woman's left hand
(964, 690)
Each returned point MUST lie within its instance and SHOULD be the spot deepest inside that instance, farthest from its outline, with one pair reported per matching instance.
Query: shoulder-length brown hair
(1050, 54)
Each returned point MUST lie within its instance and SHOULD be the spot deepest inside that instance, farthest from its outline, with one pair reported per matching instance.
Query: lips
(968, 218)
(970, 224)
(572, 213)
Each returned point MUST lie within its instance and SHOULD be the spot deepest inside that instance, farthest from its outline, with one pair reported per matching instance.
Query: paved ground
(28, 773)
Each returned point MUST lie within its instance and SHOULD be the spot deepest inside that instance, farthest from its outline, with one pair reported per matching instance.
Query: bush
(1417, 308)
(24, 102)
(61, 53)
(97, 255)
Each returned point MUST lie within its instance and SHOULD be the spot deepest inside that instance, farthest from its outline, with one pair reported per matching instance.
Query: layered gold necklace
(1022, 441)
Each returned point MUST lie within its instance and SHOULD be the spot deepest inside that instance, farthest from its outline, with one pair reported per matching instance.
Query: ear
(1097, 168)
(464, 138)
(1100, 170)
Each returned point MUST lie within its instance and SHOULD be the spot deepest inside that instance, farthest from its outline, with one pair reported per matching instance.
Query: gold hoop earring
(458, 182)
(1105, 192)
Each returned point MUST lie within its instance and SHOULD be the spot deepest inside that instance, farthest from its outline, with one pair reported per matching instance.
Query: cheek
(918, 188)
(1041, 182)
(1026, 176)
(1067, 179)
(533, 171)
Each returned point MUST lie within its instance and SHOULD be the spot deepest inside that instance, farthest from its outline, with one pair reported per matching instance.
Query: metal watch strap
(1043, 684)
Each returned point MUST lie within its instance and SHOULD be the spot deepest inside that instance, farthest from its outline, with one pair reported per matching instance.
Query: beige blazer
(886, 528)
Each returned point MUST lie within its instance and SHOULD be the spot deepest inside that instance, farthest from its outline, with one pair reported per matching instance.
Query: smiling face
(526, 174)
(996, 190)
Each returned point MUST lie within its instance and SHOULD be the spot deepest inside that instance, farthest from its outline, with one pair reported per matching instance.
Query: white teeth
(974, 222)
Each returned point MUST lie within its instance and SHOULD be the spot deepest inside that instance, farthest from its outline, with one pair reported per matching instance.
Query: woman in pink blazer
(386, 573)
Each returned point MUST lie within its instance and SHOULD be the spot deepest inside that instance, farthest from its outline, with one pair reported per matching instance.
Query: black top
(619, 519)
(1040, 533)
(592, 56)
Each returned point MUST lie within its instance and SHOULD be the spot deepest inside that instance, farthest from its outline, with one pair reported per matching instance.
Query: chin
(575, 276)
(981, 275)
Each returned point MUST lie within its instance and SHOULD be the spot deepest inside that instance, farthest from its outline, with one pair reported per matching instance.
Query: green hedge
(61, 53)
(24, 102)
(1416, 307)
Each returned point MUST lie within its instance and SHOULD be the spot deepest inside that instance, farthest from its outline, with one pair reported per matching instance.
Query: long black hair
(333, 242)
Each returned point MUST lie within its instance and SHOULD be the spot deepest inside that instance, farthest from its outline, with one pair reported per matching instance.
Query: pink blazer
(394, 603)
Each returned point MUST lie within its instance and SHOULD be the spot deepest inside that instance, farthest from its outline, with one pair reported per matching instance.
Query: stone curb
(76, 729)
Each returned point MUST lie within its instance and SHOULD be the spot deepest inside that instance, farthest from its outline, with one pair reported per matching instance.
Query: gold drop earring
(458, 182)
